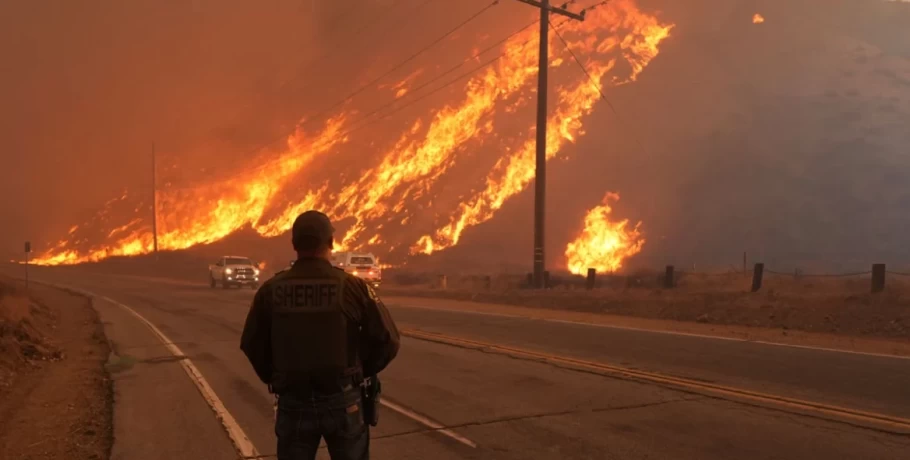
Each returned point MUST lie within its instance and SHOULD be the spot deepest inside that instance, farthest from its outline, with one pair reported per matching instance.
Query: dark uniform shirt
(362, 310)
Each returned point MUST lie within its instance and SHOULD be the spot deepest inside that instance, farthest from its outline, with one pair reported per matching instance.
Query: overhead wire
(597, 86)
(371, 83)
(817, 275)
(460, 76)
(361, 122)
(408, 59)
(330, 50)
(447, 72)
(357, 123)
(446, 85)
(439, 77)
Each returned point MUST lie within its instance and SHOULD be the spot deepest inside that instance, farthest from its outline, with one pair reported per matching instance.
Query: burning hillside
(408, 191)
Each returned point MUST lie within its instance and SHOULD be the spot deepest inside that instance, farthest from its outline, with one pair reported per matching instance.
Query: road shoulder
(733, 332)
(56, 400)
(158, 412)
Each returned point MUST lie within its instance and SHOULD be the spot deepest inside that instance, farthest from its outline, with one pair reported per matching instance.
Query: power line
(362, 123)
(594, 6)
(584, 69)
(407, 60)
(357, 125)
(456, 67)
(461, 76)
(449, 83)
(396, 67)
(440, 76)
(398, 109)
(540, 156)
(596, 86)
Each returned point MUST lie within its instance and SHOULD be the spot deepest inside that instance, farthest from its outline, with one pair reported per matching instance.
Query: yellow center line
(878, 420)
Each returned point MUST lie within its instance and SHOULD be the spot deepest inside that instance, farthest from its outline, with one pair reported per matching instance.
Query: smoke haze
(786, 139)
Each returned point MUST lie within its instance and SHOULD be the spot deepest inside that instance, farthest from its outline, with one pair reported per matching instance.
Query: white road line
(655, 331)
(241, 441)
(243, 444)
(428, 423)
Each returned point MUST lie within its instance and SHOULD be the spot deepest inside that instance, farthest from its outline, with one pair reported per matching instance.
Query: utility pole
(154, 202)
(540, 171)
(28, 250)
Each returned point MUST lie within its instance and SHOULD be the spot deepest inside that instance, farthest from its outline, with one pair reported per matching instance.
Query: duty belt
(325, 386)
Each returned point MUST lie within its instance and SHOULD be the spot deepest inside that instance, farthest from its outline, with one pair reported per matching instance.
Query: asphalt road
(869, 383)
(499, 407)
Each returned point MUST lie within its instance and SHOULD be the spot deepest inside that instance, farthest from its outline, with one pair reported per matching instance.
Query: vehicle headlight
(228, 271)
(256, 271)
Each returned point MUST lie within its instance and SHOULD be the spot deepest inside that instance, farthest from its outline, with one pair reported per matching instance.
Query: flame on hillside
(409, 182)
(514, 172)
(758, 19)
(603, 244)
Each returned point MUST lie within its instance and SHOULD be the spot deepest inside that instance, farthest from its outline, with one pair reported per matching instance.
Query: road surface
(455, 402)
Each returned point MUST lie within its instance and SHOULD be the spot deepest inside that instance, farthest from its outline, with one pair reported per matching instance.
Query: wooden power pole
(540, 171)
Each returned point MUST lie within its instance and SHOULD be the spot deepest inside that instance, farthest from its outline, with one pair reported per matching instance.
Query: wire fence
(798, 273)
(670, 277)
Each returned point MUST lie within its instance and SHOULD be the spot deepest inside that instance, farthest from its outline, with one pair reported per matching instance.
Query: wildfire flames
(603, 245)
(411, 182)
(758, 19)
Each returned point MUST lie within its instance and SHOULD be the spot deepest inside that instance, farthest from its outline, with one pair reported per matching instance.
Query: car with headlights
(234, 271)
(363, 265)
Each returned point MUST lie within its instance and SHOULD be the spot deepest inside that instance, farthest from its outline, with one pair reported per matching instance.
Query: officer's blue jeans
(302, 420)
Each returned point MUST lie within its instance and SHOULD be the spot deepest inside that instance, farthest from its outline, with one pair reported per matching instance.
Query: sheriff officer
(312, 335)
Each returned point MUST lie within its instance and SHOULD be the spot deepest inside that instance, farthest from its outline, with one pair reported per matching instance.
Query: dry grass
(57, 399)
(817, 304)
(24, 330)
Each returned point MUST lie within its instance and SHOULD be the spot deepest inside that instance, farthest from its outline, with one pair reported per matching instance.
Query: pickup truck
(361, 265)
(234, 271)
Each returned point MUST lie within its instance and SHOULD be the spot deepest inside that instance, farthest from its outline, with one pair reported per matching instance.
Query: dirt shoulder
(55, 394)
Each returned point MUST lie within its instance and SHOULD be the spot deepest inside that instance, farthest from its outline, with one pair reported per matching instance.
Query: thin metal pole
(540, 171)
(154, 201)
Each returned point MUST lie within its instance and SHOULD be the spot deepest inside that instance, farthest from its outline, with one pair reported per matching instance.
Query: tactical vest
(314, 344)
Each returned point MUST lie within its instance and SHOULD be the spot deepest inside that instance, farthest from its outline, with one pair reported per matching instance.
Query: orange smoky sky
(787, 140)
(87, 88)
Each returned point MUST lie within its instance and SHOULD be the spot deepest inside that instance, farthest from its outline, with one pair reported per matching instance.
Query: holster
(369, 394)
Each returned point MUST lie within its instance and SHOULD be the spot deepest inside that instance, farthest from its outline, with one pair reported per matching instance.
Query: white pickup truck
(361, 265)
(234, 271)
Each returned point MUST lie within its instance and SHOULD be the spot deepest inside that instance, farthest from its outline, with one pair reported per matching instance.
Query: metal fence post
(757, 274)
(878, 278)
(668, 277)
